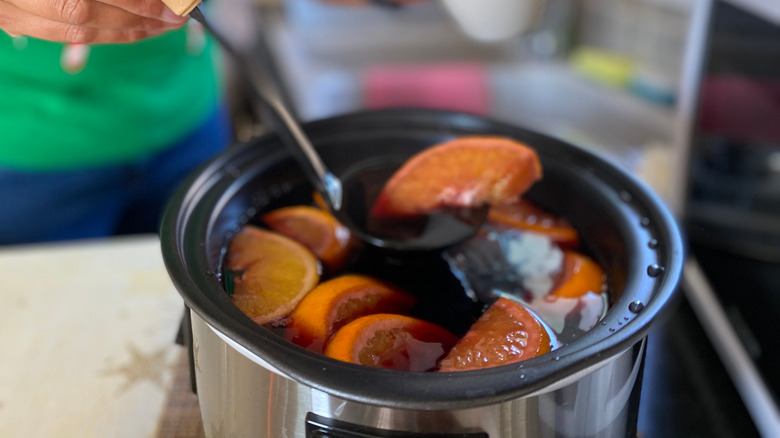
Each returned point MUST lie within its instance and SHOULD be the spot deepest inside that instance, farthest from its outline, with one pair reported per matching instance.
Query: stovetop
(687, 391)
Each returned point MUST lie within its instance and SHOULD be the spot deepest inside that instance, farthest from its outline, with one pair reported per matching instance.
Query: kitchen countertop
(88, 330)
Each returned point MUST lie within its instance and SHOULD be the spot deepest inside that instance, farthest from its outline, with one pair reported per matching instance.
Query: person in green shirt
(105, 106)
(94, 136)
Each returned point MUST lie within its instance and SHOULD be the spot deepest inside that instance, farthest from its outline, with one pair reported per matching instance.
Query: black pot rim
(618, 332)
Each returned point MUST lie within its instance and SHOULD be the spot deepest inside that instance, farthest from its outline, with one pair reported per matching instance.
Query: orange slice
(315, 229)
(273, 273)
(319, 201)
(527, 216)
(462, 173)
(395, 342)
(334, 303)
(506, 333)
(578, 276)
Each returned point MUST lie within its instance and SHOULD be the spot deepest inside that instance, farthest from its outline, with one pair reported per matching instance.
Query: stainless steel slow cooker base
(242, 396)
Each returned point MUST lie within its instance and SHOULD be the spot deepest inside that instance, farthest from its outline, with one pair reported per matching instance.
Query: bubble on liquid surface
(260, 200)
(652, 244)
(275, 191)
(626, 197)
(645, 222)
(636, 306)
(655, 270)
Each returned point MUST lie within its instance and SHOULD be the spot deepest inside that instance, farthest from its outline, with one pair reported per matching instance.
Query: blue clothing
(103, 201)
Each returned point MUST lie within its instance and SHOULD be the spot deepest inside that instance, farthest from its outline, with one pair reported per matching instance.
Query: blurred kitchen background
(683, 93)
(601, 73)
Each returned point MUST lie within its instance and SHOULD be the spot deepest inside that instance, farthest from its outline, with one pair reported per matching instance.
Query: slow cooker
(253, 383)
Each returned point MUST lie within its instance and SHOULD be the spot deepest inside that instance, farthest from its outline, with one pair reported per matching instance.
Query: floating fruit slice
(319, 201)
(465, 172)
(315, 229)
(506, 333)
(527, 216)
(273, 273)
(395, 342)
(334, 303)
(579, 275)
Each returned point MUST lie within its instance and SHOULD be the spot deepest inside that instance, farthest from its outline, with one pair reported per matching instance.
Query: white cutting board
(87, 335)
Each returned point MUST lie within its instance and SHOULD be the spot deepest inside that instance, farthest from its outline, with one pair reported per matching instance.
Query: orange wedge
(578, 276)
(336, 302)
(319, 201)
(527, 216)
(315, 229)
(462, 173)
(273, 273)
(506, 333)
(389, 341)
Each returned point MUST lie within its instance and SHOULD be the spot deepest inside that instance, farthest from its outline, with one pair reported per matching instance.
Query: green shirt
(127, 102)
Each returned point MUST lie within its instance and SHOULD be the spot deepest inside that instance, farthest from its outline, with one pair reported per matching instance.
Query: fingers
(145, 8)
(87, 21)
(97, 13)
(104, 26)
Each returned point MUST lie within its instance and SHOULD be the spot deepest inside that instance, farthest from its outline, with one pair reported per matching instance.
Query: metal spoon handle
(289, 129)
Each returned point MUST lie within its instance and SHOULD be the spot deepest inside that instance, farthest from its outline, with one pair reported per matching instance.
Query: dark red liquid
(453, 286)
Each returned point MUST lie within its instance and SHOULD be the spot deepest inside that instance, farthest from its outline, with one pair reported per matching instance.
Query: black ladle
(351, 199)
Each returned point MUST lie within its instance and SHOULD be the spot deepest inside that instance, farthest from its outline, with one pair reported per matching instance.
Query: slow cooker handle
(318, 426)
(184, 338)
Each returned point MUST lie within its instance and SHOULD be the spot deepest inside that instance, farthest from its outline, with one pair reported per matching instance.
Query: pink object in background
(741, 108)
(460, 87)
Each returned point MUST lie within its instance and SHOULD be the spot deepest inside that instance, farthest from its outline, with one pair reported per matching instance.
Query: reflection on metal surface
(589, 395)
(242, 396)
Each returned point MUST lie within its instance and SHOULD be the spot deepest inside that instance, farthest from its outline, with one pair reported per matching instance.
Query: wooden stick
(181, 7)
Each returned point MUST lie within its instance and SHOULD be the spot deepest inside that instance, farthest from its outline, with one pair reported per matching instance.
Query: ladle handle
(289, 129)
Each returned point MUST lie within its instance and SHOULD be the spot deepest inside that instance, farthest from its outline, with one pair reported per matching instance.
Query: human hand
(87, 21)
